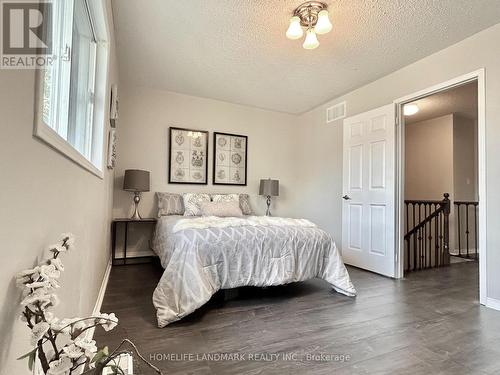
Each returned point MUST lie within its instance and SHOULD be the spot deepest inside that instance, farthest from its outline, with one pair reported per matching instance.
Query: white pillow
(222, 209)
(243, 199)
(225, 197)
(192, 202)
(169, 204)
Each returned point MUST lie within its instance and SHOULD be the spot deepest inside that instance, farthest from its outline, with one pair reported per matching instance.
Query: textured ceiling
(461, 100)
(236, 50)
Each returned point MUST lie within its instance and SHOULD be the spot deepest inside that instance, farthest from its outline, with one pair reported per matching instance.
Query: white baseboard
(463, 252)
(100, 297)
(135, 254)
(493, 303)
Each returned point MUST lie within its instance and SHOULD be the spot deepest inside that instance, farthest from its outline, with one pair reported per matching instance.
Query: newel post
(446, 224)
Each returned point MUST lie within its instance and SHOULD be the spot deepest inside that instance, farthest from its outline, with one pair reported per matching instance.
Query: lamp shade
(136, 180)
(294, 30)
(311, 41)
(269, 187)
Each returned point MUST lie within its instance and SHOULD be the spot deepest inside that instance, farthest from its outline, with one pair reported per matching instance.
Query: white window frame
(43, 131)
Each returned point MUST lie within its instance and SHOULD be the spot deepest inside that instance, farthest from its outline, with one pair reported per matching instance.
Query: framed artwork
(113, 112)
(112, 149)
(230, 159)
(187, 162)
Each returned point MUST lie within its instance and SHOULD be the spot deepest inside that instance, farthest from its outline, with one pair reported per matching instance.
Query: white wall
(145, 117)
(465, 159)
(43, 195)
(429, 159)
(323, 183)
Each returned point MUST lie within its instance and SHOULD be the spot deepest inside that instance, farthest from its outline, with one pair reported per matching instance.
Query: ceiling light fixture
(313, 16)
(410, 109)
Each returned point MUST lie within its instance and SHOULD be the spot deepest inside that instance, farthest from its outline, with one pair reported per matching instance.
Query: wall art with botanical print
(112, 149)
(187, 163)
(230, 159)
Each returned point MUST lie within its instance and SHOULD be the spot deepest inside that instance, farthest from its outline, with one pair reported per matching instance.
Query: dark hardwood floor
(428, 323)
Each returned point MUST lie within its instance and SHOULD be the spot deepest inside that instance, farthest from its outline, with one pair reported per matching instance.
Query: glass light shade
(294, 30)
(323, 25)
(410, 109)
(311, 42)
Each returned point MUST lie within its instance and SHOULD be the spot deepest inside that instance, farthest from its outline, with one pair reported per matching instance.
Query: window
(67, 110)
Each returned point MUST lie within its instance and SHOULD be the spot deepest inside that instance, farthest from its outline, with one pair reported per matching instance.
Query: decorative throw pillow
(192, 203)
(245, 204)
(225, 197)
(222, 209)
(243, 199)
(169, 204)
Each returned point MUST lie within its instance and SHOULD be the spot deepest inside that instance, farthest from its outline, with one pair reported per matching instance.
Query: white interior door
(368, 213)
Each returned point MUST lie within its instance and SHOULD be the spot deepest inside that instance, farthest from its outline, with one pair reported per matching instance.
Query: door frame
(479, 76)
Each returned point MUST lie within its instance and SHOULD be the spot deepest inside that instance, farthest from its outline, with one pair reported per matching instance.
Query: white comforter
(204, 255)
(204, 222)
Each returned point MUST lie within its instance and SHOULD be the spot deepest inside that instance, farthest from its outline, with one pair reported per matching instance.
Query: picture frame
(112, 149)
(230, 159)
(113, 111)
(188, 156)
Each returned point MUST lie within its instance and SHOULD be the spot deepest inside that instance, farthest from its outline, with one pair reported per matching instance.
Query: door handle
(346, 197)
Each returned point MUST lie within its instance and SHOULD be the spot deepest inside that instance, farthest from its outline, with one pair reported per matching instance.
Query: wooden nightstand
(125, 221)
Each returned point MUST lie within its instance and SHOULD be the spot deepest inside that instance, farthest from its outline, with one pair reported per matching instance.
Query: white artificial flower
(63, 326)
(27, 276)
(58, 326)
(68, 240)
(73, 351)
(49, 317)
(38, 296)
(54, 283)
(38, 284)
(62, 366)
(57, 248)
(48, 272)
(52, 301)
(38, 331)
(57, 262)
(108, 321)
(29, 272)
(79, 324)
(67, 325)
(88, 345)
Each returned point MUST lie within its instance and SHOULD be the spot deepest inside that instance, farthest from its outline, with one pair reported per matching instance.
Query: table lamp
(136, 181)
(269, 188)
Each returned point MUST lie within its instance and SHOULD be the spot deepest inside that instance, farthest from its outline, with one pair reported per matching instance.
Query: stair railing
(427, 238)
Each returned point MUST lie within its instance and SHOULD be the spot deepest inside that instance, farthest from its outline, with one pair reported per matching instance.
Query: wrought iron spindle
(462, 222)
(459, 232)
(467, 227)
(476, 229)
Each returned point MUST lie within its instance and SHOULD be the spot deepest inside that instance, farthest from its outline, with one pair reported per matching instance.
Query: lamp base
(268, 201)
(137, 199)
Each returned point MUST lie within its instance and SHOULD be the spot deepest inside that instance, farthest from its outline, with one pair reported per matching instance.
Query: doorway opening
(441, 178)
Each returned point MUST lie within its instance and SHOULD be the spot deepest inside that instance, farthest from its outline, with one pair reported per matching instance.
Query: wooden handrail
(423, 222)
(473, 203)
(422, 201)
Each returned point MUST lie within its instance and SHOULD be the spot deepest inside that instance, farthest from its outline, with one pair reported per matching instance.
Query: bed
(202, 255)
